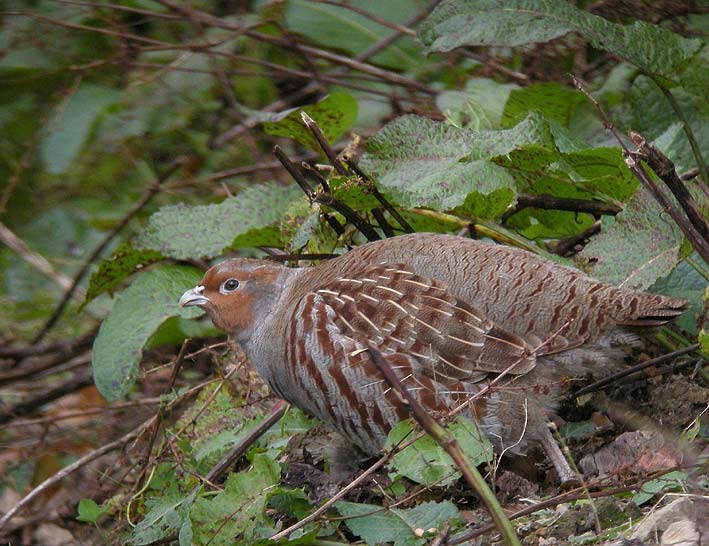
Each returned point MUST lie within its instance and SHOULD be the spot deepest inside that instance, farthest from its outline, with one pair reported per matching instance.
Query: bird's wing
(400, 313)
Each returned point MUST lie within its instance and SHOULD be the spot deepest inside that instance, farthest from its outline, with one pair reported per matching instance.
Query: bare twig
(364, 13)
(633, 369)
(39, 366)
(82, 379)
(372, 188)
(551, 202)
(37, 261)
(236, 452)
(700, 244)
(325, 198)
(67, 346)
(665, 169)
(569, 245)
(68, 470)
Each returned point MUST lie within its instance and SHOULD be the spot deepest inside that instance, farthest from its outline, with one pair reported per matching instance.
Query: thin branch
(63, 346)
(569, 246)
(631, 160)
(236, 452)
(325, 198)
(696, 149)
(37, 261)
(633, 369)
(364, 13)
(82, 379)
(551, 202)
(66, 471)
(665, 169)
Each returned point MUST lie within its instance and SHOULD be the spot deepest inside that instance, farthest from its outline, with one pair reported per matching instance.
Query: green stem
(701, 164)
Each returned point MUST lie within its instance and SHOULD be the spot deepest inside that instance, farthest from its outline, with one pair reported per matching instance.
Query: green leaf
(90, 512)
(672, 481)
(426, 462)
(377, 525)
(537, 224)
(687, 283)
(596, 173)
(652, 116)
(70, 126)
(164, 516)
(423, 163)
(184, 232)
(637, 247)
(122, 264)
(136, 315)
(334, 115)
(479, 106)
(458, 23)
(550, 99)
(240, 509)
(343, 29)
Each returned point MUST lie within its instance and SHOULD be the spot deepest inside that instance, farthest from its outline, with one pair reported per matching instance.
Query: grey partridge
(448, 314)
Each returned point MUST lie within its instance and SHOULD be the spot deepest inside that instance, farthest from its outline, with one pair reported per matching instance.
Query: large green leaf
(479, 106)
(637, 247)
(551, 99)
(334, 115)
(70, 126)
(457, 23)
(423, 163)
(426, 462)
(123, 263)
(184, 232)
(403, 527)
(239, 510)
(136, 315)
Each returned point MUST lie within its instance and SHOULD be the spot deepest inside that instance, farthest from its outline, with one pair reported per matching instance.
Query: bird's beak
(194, 296)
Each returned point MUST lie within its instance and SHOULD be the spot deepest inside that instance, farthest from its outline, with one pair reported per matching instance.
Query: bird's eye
(230, 285)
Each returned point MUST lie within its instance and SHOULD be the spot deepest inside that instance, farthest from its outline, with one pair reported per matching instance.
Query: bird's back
(523, 293)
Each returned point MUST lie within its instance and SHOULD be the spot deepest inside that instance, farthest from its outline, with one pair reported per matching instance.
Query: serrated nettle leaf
(537, 224)
(205, 231)
(458, 23)
(334, 115)
(426, 462)
(136, 315)
(597, 173)
(403, 527)
(550, 99)
(423, 163)
(479, 106)
(122, 264)
(239, 510)
(637, 247)
(352, 192)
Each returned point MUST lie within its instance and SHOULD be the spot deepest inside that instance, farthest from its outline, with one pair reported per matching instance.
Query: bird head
(237, 294)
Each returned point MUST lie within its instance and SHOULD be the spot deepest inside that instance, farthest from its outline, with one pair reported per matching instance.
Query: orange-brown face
(228, 292)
